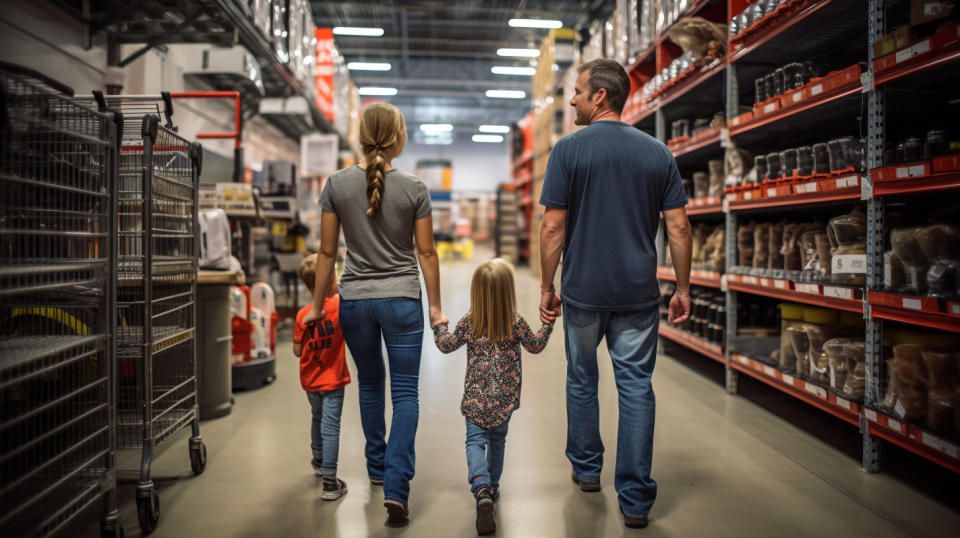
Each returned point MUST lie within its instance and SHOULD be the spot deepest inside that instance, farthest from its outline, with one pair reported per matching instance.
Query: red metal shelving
(786, 293)
(805, 391)
(922, 443)
(850, 193)
(708, 279)
(696, 145)
(913, 311)
(913, 64)
(919, 184)
(712, 351)
(825, 97)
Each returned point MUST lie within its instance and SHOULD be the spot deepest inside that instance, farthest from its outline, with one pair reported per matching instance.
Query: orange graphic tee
(323, 362)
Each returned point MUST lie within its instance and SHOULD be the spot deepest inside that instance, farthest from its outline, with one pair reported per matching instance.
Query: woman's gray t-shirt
(381, 261)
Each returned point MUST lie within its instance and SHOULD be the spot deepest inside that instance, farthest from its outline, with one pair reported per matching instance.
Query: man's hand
(549, 306)
(314, 316)
(437, 317)
(679, 309)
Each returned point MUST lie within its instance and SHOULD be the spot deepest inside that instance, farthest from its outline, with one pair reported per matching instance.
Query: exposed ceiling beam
(421, 53)
(401, 81)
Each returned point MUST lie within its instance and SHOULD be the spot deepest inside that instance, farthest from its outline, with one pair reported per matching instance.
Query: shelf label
(852, 181)
(797, 97)
(769, 107)
(807, 187)
(917, 170)
(895, 425)
(844, 403)
(870, 414)
(808, 288)
(813, 389)
(899, 410)
(904, 55)
(780, 284)
(841, 182)
(725, 138)
(816, 89)
(838, 293)
(848, 263)
(939, 444)
(772, 192)
(748, 195)
(742, 360)
(765, 282)
(912, 304)
(921, 47)
(769, 371)
(955, 309)
(787, 379)
(751, 280)
(949, 448)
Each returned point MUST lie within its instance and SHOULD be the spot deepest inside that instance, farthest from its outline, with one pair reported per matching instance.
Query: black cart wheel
(148, 511)
(198, 458)
(115, 532)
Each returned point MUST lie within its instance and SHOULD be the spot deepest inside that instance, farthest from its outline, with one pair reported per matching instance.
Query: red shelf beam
(675, 92)
(943, 322)
(708, 279)
(919, 184)
(922, 62)
(694, 146)
(850, 305)
(689, 341)
(924, 444)
(798, 199)
(825, 97)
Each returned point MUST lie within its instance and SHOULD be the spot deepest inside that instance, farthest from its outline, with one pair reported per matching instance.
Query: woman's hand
(437, 317)
(314, 316)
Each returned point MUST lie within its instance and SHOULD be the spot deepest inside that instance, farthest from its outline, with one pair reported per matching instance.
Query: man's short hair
(612, 77)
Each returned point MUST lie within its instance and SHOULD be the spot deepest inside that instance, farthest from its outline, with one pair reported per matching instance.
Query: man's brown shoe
(585, 486)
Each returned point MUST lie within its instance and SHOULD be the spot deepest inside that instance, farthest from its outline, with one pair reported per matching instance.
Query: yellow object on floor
(461, 249)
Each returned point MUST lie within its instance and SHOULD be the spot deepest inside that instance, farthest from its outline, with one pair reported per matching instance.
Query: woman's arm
(533, 342)
(326, 260)
(430, 265)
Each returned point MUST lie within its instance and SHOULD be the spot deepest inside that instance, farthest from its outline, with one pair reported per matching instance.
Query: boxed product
(898, 39)
(924, 11)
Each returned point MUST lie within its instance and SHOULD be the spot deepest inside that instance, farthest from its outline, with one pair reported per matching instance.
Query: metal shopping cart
(156, 268)
(57, 238)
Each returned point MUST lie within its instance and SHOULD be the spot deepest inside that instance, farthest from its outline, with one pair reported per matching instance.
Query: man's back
(613, 180)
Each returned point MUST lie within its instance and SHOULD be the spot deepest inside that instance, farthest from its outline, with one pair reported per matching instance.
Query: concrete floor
(725, 466)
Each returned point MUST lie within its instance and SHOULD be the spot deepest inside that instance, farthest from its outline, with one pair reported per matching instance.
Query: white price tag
(903, 171)
(808, 187)
(839, 293)
(787, 379)
(772, 192)
(751, 280)
(848, 263)
(817, 89)
(841, 182)
(780, 284)
(917, 170)
(769, 107)
(949, 448)
(899, 410)
(870, 414)
(765, 282)
(904, 55)
(852, 181)
(895, 425)
(813, 389)
(921, 47)
(912, 304)
(955, 309)
(742, 360)
(797, 97)
(748, 195)
(843, 403)
(808, 288)
(769, 371)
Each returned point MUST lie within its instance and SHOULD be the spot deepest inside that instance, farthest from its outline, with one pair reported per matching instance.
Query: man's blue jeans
(632, 342)
(485, 455)
(399, 322)
(325, 409)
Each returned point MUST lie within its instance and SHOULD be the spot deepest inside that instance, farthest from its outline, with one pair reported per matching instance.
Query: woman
(385, 214)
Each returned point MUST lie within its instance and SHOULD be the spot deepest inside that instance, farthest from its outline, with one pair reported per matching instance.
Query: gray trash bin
(214, 336)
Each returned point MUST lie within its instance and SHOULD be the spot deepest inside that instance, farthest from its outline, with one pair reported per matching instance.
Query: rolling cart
(156, 266)
(57, 370)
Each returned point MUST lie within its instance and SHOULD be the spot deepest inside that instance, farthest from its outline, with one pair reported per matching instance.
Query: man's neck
(605, 115)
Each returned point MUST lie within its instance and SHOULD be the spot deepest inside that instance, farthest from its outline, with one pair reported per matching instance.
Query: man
(605, 188)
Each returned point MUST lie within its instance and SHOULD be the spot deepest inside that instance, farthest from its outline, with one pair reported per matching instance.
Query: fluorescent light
(535, 23)
(506, 94)
(519, 53)
(494, 129)
(508, 70)
(488, 138)
(368, 66)
(358, 31)
(436, 127)
(376, 90)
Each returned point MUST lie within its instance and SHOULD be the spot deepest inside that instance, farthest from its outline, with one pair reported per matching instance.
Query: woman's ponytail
(381, 127)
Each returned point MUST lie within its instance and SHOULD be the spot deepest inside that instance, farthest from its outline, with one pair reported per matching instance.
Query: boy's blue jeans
(399, 323)
(325, 408)
(632, 342)
(485, 455)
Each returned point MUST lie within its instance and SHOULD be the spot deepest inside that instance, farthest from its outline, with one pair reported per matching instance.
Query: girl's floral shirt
(491, 388)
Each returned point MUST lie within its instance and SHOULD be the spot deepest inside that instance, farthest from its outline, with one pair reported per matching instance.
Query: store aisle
(725, 466)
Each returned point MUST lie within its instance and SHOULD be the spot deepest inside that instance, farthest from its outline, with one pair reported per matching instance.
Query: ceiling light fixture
(519, 53)
(358, 31)
(368, 66)
(509, 70)
(494, 129)
(506, 94)
(377, 90)
(436, 127)
(535, 23)
(487, 138)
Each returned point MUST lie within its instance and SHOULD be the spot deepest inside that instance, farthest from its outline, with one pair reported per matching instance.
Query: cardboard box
(924, 11)
(895, 40)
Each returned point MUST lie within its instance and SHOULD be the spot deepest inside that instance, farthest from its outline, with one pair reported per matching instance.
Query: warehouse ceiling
(441, 52)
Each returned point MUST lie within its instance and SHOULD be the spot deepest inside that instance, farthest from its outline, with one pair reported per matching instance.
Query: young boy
(323, 374)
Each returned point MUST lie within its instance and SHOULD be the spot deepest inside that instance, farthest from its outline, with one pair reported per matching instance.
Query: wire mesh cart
(156, 267)
(57, 237)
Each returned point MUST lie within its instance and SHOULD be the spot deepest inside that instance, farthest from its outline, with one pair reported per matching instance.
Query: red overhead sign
(323, 75)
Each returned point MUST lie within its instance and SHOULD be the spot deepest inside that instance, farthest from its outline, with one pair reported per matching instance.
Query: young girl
(493, 332)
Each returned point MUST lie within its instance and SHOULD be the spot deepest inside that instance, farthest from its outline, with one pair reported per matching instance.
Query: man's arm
(681, 250)
(552, 230)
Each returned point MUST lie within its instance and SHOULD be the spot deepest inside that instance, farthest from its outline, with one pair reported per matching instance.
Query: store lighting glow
(487, 138)
(506, 94)
(377, 90)
(368, 66)
(509, 70)
(358, 31)
(494, 129)
(519, 53)
(535, 23)
(436, 127)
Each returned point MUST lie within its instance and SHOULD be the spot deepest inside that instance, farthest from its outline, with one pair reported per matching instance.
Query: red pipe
(218, 95)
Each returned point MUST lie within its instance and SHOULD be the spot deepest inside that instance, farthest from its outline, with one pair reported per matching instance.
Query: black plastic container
(821, 159)
(794, 75)
(912, 149)
(773, 166)
(937, 144)
(788, 162)
(760, 87)
(760, 163)
(804, 161)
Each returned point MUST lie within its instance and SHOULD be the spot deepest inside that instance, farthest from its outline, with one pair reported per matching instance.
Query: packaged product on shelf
(745, 244)
(941, 368)
(848, 235)
(699, 237)
(940, 244)
(760, 165)
(808, 251)
(856, 354)
(788, 162)
(774, 242)
(716, 177)
(761, 244)
(737, 167)
(714, 251)
(701, 184)
(823, 254)
(804, 161)
(791, 317)
(835, 350)
(821, 159)
(906, 246)
(820, 325)
(800, 345)
(941, 406)
(773, 165)
(907, 388)
(894, 272)
(687, 187)
(699, 36)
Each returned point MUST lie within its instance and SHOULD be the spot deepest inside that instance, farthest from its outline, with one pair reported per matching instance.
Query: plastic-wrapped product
(943, 278)
(835, 350)
(819, 369)
(808, 250)
(906, 245)
(761, 244)
(716, 177)
(941, 369)
(760, 164)
(821, 159)
(848, 233)
(941, 405)
(701, 184)
(910, 367)
(788, 247)
(823, 253)
(745, 244)
(774, 170)
(800, 343)
(791, 316)
(907, 391)
(855, 352)
(737, 167)
(939, 241)
(714, 251)
(788, 162)
(894, 273)
(774, 244)
(699, 237)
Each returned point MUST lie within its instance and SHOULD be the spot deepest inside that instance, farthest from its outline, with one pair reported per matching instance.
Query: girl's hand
(314, 316)
(437, 317)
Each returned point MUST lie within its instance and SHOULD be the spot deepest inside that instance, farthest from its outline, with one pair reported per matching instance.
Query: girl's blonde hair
(493, 300)
(381, 126)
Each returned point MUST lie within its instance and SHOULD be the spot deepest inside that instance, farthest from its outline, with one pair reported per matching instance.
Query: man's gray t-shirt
(381, 262)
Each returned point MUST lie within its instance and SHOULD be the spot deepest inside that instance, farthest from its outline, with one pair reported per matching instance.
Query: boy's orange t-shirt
(323, 361)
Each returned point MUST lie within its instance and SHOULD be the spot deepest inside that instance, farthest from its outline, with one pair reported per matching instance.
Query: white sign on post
(318, 154)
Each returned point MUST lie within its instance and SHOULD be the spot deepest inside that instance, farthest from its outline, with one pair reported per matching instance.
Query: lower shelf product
(707, 315)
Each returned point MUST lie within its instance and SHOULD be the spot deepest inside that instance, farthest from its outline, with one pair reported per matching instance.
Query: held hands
(679, 309)
(437, 317)
(314, 316)
(549, 306)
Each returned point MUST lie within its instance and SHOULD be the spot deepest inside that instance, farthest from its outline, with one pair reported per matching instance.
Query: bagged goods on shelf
(819, 326)
(938, 241)
(788, 162)
(800, 345)
(714, 251)
(907, 387)
(846, 153)
(941, 369)
(774, 242)
(824, 258)
(855, 352)
(745, 244)
(835, 350)
(773, 166)
(699, 36)
(941, 409)
(761, 244)
(894, 272)
(808, 250)
(699, 237)
(701, 185)
(760, 165)
(791, 316)
(804, 161)
(821, 159)
(737, 166)
(716, 177)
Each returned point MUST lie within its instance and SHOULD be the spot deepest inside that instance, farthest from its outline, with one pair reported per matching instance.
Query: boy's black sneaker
(485, 523)
(333, 489)
(397, 513)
